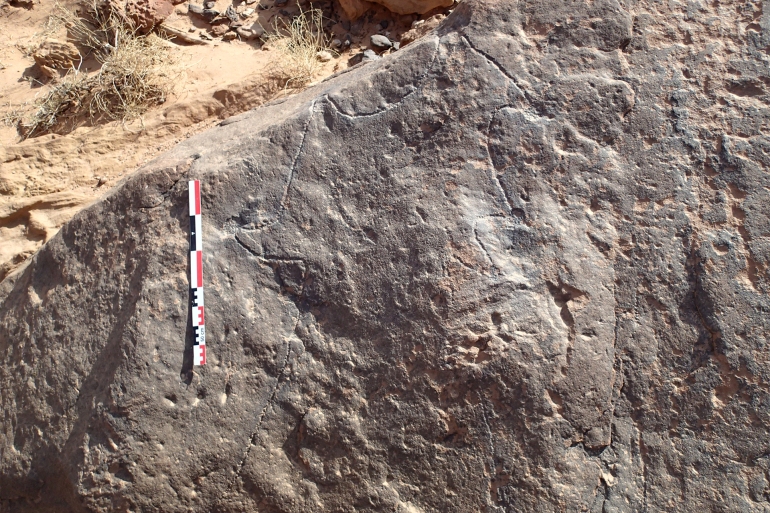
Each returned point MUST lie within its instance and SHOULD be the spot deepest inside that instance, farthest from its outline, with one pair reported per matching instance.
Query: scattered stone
(24, 4)
(229, 36)
(202, 12)
(53, 55)
(336, 43)
(147, 14)
(209, 4)
(369, 56)
(355, 59)
(205, 36)
(191, 29)
(396, 45)
(236, 24)
(420, 28)
(245, 34)
(180, 35)
(380, 41)
(101, 181)
(257, 29)
(247, 12)
(357, 27)
(324, 56)
(251, 2)
(231, 14)
(219, 30)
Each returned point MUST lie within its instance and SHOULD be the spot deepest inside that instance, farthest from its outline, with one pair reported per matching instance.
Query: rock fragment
(369, 56)
(219, 30)
(420, 28)
(53, 55)
(380, 41)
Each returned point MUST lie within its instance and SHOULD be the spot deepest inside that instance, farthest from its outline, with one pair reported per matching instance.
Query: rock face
(413, 6)
(520, 265)
(355, 8)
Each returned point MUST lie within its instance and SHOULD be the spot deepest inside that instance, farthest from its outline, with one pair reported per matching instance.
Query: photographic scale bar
(196, 275)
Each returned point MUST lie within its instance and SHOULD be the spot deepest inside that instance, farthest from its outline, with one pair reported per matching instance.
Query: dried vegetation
(299, 42)
(135, 72)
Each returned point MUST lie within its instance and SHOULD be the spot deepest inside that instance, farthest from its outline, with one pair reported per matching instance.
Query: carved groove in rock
(520, 265)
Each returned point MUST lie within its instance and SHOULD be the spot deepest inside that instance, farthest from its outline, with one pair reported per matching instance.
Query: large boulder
(520, 265)
(413, 6)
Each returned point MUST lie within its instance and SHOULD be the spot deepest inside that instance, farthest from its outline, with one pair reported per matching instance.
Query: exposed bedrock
(518, 266)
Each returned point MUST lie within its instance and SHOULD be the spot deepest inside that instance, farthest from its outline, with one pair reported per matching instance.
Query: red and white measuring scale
(196, 275)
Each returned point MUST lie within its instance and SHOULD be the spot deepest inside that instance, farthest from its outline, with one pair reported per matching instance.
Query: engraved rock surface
(520, 265)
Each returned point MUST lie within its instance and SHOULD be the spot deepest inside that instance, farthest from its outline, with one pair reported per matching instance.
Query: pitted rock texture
(147, 14)
(520, 265)
(53, 55)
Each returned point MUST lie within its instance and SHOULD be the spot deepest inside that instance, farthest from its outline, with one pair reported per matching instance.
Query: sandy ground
(46, 180)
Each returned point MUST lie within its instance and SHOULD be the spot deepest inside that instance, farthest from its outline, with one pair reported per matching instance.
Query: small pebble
(229, 36)
(370, 56)
(247, 13)
(380, 41)
(336, 43)
(324, 56)
(245, 33)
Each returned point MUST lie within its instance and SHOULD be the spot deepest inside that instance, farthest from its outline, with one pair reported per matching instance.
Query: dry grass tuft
(136, 72)
(298, 43)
